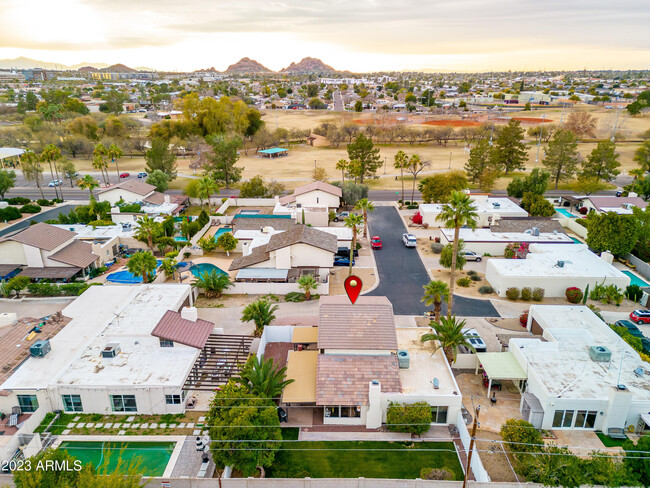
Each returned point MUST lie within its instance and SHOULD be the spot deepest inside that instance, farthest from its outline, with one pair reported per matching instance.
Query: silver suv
(472, 256)
(409, 240)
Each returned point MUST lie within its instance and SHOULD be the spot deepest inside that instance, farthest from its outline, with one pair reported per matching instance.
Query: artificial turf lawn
(608, 441)
(372, 459)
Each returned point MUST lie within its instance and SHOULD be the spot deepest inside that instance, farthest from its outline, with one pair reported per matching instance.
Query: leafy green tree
(351, 193)
(52, 154)
(561, 157)
(159, 157)
(263, 378)
(253, 188)
(261, 312)
(365, 206)
(307, 283)
(602, 163)
(612, 232)
(642, 155)
(158, 179)
(142, 263)
(643, 217)
(221, 164)
(7, 181)
(434, 293)
(30, 163)
(642, 187)
(364, 151)
(637, 460)
(521, 436)
(535, 183)
(227, 242)
(67, 169)
(212, 283)
(113, 102)
(401, 162)
(439, 187)
(634, 108)
(17, 284)
(353, 221)
(358, 106)
(447, 254)
(459, 212)
(537, 206)
(316, 103)
(413, 418)
(510, 152)
(168, 266)
(448, 333)
(245, 430)
(88, 183)
(480, 160)
(208, 244)
(587, 186)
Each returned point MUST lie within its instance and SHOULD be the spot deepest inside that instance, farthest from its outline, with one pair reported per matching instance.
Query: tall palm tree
(366, 206)
(212, 283)
(261, 312)
(51, 154)
(114, 152)
(353, 222)
(147, 228)
(343, 165)
(434, 293)
(142, 263)
(88, 183)
(401, 161)
(459, 212)
(205, 188)
(99, 161)
(32, 169)
(307, 283)
(448, 331)
(263, 378)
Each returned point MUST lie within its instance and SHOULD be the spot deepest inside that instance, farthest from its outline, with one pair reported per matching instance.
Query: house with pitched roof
(619, 205)
(310, 204)
(131, 191)
(44, 251)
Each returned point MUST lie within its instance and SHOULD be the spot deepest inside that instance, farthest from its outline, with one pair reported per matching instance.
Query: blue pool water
(634, 279)
(576, 240)
(182, 264)
(199, 269)
(180, 239)
(223, 230)
(126, 277)
(565, 213)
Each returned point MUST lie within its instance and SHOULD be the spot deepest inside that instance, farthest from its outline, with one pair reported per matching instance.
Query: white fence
(27, 429)
(573, 226)
(641, 266)
(239, 288)
(274, 333)
(465, 361)
(243, 202)
(477, 466)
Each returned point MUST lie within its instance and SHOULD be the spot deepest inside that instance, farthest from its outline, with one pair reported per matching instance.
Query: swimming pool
(180, 239)
(223, 230)
(565, 213)
(199, 269)
(576, 240)
(153, 456)
(126, 277)
(634, 279)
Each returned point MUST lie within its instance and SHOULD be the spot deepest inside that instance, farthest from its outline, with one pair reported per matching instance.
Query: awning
(8, 152)
(8, 269)
(305, 335)
(59, 272)
(262, 274)
(501, 366)
(301, 367)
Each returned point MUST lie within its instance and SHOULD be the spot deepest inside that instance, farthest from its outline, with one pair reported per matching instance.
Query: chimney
(190, 313)
(167, 199)
(374, 414)
(115, 209)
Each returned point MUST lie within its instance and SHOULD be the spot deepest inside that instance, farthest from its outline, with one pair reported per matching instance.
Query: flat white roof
(490, 205)
(164, 208)
(563, 364)
(486, 235)
(99, 232)
(579, 262)
(111, 314)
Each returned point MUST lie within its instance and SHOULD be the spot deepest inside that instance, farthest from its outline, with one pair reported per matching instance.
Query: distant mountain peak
(118, 68)
(247, 65)
(308, 65)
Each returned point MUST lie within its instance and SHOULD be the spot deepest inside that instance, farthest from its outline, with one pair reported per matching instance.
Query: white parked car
(409, 240)
(472, 256)
(54, 183)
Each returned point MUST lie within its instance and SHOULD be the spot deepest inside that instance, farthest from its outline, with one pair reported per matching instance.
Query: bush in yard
(414, 418)
(633, 292)
(521, 436)
(523, 318)
(464, 282)
(512, 293)
(18, 201)
(471, 272)
(538, 294)
(573, 294)
(436, 247)
(30, 208)
(295, 296)
(475, 277)
(526, 293)
(43, 202)
(9, 213)
(436, 474)
(485, 289)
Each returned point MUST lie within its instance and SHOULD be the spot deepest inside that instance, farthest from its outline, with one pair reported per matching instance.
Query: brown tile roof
(134, 186)
(343, 380)
(615, 202)
(77, 253)
(300, 320)
(315, 185)
(256, 224)
(156, 198)
(257, 255)
(369, 324)
(302, 234)
(522, 224)
(173, 327)
(54, 272)
(43, 236)
(5, 269)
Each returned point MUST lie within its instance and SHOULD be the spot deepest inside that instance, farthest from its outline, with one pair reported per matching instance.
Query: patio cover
(305, 335)
(273, 150)
(301, 367)
(262, 274)
(501, 366)
(52, 272)
(9, 152)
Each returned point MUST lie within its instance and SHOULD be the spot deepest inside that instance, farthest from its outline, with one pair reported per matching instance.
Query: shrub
(526, 293)
(44, 202)
(521, 436)
(471, 272)
(573, 294)
(485, 289)
(633, 292)
(436, 474)
(412, 207)
(464, 282)
(130, 208)
(414, 418)
(18, 201)
(294, 296)
(538, 294)
(596, 311)
(203, 218)
(523, 318)
(475, 277)
(9, 213)
(52, 290)
(512, 293)
(407, 202)
(30, 208)
(57, 200)
(97, 271)
(436, 247)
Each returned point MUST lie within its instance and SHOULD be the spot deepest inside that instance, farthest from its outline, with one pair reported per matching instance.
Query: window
(337, 411)
(72, 403)
(28, 403)
(438, 415)
(166, 343)
(563, 418)
(173, 399)
(124, 403)
(585, 419)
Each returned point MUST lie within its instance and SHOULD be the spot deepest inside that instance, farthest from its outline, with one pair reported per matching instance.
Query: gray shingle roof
(257, 255)
(522, 224)
(302, 234)
(315, 185)
(256, 224)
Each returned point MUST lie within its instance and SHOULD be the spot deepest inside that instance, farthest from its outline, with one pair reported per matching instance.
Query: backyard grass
(608, 441)
(373, 459)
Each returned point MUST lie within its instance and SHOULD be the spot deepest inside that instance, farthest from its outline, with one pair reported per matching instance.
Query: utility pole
(471, 445)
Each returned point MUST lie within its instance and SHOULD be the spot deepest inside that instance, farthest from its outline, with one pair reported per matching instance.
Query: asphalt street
(402, 274)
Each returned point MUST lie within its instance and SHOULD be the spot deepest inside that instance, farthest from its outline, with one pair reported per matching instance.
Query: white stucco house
(619, 205)
(482, 241)
(488, 209)
(317, 193)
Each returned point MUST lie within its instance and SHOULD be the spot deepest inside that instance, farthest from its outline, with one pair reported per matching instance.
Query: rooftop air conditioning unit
(111, 350)
(403, 358)
(600, 354)
(560, 264)
(40, 348)
(496, 204)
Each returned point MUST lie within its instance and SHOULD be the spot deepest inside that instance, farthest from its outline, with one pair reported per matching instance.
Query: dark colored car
(375, 242)
(125, 175)
(344, 252)
(631, 328)
(341, 261)
(640, 316)
(142, 175)
(282, 414)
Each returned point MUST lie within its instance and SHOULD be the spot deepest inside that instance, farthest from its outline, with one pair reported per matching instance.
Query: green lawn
(608, 441)
(398, 460)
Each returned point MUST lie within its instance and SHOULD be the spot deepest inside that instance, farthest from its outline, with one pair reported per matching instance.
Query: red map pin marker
(353, 287)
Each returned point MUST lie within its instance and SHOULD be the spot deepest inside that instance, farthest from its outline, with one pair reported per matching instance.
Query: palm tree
(307, 283)
(261, 312)
(114, 152)
(401, 161)
(459, 212)
(212, 283)
(205, 188)
(50, 154)
(263, 378)
(353, 222)
(147, 227)
(32, 169)
(168, 265)
(142, 263)
(366, 206)
(434, 293)
(99, 160)
(88, 183)
(448, 331)
(343, 165)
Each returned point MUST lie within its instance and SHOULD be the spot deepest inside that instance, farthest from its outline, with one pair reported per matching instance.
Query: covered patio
(274, 152)
(301, 368)
(500, 366)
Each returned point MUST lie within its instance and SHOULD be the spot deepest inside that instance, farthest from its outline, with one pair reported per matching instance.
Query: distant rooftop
(487, 235)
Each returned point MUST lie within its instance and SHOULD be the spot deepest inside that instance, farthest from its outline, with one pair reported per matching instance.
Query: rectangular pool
(223, 230)
(565, 213)
(635, 280)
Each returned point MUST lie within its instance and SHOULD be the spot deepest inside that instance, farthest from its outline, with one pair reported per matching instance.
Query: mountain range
(28, 63)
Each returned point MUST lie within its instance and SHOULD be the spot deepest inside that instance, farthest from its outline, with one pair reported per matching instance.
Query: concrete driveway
(402, 274)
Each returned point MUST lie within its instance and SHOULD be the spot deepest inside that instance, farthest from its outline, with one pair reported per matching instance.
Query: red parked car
(125, 175)
(375, 242)
(640, 316)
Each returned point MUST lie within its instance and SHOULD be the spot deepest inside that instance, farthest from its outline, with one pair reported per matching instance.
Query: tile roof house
(153, 202)
(314, 194)
(619, 205)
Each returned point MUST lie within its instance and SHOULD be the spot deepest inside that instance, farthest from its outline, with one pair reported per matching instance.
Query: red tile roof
(173, 327)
